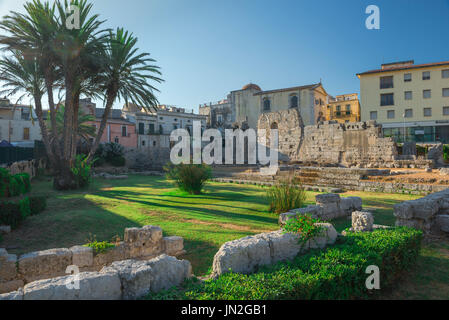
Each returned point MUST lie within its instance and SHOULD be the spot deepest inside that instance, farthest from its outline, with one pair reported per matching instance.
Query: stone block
(92, 286)
(142, 236)
(173, 245)
(168, 272)
(8, 267)
(48, 262)
(442, 221)
(135, 277)
(116, 253)
(12, 296)
(323, 199)
(362, 221)
(82, 256)
(12, 285)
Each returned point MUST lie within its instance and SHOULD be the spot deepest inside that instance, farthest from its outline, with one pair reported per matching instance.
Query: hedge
(12, 213)
(335, 273)
(14, 185)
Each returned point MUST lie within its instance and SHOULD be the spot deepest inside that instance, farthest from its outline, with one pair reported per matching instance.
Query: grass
(224, 212)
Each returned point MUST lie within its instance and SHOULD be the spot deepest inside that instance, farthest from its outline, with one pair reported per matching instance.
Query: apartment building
(344, 108)
(410, 100)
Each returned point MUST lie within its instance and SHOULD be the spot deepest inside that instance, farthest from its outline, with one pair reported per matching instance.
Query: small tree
(189, 177)
(286, 196)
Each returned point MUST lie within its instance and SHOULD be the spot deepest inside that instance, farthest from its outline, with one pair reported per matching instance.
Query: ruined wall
(139, 243)
(351, 144)
(31, 167)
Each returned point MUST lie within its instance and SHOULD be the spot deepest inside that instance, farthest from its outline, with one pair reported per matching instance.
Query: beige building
(344, 108)
(18, 124)
(247, 104)
(409, 100)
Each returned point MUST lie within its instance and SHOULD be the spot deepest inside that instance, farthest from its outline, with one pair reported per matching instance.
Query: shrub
(14, 185)
(82, 171)
(10, 214)
(446, 152)
(24, 207)
(304, 226)
(335, 273)
(189, 177)
(286, 196)
(37, 205)
(118, 161)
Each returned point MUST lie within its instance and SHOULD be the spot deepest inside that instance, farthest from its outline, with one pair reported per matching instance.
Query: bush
(14, 185)
(37, 205)
(304, 226)
(82, 171)
(189, 177)
(446, 152)
(118, 161)
(335, 273)
(24, 207)
(10, 214)
(286, 196)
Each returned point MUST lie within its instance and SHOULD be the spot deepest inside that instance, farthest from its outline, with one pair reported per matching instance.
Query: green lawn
(224, 212)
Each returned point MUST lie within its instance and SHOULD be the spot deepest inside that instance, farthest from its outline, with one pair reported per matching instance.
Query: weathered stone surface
(444, 171)
(92, 286)
(117, 253)
(168, 272)
(442, 221)
(12, 296)
(5, 229)
(48, 262)
(247, 254)
(436, 154)
(82, 256)
(362, 221)
(135, 276)
(11, 285)
(146, 241)
(8, 267)
(327, 198)
(173, 245)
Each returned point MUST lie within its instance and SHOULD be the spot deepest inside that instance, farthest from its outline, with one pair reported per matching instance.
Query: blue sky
(207, 48)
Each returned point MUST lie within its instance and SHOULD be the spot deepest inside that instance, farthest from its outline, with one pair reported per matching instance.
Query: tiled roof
(405, 67)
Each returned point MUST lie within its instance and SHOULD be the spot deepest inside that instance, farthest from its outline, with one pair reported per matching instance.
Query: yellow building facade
(410, 101)
(344, 108)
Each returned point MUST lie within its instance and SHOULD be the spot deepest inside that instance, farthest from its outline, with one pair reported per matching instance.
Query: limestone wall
(31, 167)
(139, 243)
(328, 207)
(430, 214)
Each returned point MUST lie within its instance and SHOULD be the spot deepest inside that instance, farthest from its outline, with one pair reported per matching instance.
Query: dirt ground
(419, 176)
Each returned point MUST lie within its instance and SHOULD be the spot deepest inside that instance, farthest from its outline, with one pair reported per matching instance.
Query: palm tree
(25, 77)
(126, 77)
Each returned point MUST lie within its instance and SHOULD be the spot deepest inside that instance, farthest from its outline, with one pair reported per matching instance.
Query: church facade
(243, 107)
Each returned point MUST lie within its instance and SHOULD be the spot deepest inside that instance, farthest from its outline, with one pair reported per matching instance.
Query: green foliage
(24, 207)
(99, 246)
(82, 171)
(37, 204)
(286, 196)
(190, 178)
(14, 185)
(332, 274)
(112, 153)
(304, 226)
(10, 214)
(446, 152)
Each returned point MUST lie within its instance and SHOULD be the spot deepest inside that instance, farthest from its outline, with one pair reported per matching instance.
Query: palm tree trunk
(111, 96)
(51, 104)
(44, 131)
(76, 106)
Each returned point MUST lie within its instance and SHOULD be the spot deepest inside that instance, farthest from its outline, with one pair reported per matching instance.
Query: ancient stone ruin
(328, 207)
(139, 243)
(429, 214)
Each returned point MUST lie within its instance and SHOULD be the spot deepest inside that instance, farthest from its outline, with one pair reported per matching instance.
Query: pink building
(118, 129)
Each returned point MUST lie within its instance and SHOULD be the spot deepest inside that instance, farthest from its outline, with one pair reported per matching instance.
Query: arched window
(266, 104)
(274, 125)
(294, 102)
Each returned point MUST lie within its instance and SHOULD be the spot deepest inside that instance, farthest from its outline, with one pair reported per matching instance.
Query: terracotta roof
(406, 67)
(251, 86)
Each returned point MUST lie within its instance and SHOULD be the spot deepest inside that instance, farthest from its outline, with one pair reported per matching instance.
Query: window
(445, 111)
(26, 133)
(25, 114)
(387, 99)
(116, 140)
(143, 143)
(408, 113)
(294, 102)
(390, 114)
(161, 118)
(338, 108)
(427, 94)
(445, 92)
(445, 74)
(154, 143)
(373, 115)
(266, 104)
(141, 128)
(408, 95)
(427, 112)
(426, 75)
(219, 118)
(161, 129)
(407, 77)
(386, 82)
(151, 128)
(124, 131)
(348, 107)
(175, 127)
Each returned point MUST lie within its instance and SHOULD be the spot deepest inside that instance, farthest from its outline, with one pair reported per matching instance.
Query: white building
(18, 124)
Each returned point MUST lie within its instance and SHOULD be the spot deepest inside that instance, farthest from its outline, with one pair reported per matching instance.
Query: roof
(404, 67)
(251, 86)
(115, 113)
(309, 86)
